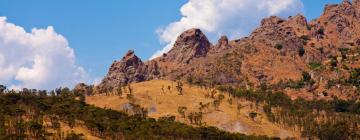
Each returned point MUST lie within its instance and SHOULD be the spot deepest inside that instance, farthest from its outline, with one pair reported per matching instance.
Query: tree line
(324, 119)
(24, 113)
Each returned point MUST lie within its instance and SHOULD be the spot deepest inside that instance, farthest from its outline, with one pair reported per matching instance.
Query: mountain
(277, 54)
(290, 79)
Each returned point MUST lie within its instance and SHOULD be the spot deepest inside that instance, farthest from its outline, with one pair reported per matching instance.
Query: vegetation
(334, 119)
(315, 66)
(278, 46)
(305, 39)
(179, 87)
(23, 114)
(352, 80)
(321, 31)
(301, 51)
(305, 81)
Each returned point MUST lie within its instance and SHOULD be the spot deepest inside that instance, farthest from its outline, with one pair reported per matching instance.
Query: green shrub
(315, 65)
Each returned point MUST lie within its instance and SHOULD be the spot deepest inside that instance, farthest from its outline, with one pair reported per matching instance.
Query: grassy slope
(149, 94)
(77, 129)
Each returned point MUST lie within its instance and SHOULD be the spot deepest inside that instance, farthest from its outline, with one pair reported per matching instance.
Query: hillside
(63, 114)
(277, 55)
(288, 78)
(161, 101)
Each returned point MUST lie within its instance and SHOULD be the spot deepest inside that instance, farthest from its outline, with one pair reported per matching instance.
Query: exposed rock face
(278, 51)
(274, 30)
(223, 44)
(129, 69)
(189, 45)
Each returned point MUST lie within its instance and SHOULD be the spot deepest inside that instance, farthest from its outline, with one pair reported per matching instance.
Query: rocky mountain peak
(346, 8)
(273, 20)
(129, 69)
(130, 54)
(130, 60)
(277, 31)
(223, 44)
(278, 50)
(223, 41)
(299, 20)
(190, 44)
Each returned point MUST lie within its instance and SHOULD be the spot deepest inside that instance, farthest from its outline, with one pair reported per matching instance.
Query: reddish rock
(279, 50)
(129, 69)
(223, 44)
(189, 45)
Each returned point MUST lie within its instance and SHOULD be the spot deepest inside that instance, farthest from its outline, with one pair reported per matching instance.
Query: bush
(301, 51)
(306, 77)
(315, 65)
(278, 46)
(333, 62)
(305, 39)
(321, 31)
(253, 115)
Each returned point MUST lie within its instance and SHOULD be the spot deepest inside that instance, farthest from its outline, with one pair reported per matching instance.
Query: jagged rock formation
(280, 50)
(189, 45)
(129, 69)
(223, 44)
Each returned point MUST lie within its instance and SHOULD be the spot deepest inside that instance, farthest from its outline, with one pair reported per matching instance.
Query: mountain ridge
(278, 51)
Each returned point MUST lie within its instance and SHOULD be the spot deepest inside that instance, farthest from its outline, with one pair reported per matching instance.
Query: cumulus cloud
(234, 18)
(40, 59)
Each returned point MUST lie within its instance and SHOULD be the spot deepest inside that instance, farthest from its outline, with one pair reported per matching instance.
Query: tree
(253, 115)
(221, 97)
(306, 77)
(2, 89)
(179, 87)
(198, 118)
(321, 31)
(301, 51)
(278, 46)
(169, 88)
(191, 117)
(203, 106)
(216, 104)
(181, 111)
(36, 129)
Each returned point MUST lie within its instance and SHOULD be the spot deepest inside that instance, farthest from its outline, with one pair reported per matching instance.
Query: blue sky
(102, 31)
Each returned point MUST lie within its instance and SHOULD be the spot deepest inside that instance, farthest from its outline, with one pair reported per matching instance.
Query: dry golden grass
(65, 129)
(150, 95)
(79, 130)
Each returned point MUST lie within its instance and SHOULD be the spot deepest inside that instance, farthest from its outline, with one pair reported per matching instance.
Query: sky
(46, 44)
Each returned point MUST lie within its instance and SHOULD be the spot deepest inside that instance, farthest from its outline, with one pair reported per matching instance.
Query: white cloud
(39, 59)
(234, 18)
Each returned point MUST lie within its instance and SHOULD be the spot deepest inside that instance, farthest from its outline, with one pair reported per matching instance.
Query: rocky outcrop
(223, 44)
(279, 50)
(276, 31)
(129, 69)
(189, 45)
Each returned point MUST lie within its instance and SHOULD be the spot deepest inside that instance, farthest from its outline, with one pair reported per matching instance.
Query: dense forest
(27, 114)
